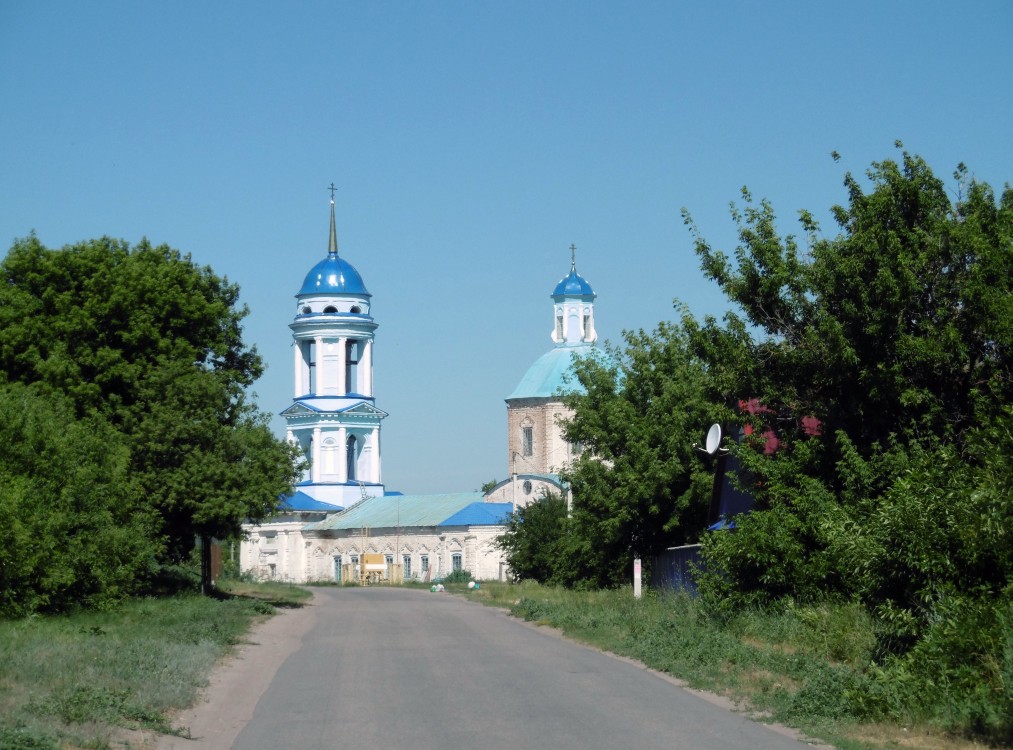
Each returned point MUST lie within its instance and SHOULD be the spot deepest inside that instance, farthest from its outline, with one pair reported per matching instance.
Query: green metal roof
(390, 511)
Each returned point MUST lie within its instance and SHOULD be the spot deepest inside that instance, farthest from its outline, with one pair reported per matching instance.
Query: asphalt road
(395, 668)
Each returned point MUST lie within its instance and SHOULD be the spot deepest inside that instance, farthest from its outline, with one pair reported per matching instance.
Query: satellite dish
(713, 439)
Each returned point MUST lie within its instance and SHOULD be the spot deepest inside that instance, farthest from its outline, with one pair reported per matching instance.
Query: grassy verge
(81, 681)
(809, 668)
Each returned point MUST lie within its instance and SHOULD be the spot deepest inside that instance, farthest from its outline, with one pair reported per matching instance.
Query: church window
(390, 564)
(424, 561)
(330, 309)
(559, 327)
(351, 365)
(356, 309)
(527, 441)
(307, 310)
(455, 561)
(350, 458)
(406, 566)
(311, 365)
(527, 486)
(587, 326)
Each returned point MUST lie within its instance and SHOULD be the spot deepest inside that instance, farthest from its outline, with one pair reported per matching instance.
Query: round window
(527, 486)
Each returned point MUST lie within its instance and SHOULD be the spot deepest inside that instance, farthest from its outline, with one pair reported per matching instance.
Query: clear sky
(472, 143)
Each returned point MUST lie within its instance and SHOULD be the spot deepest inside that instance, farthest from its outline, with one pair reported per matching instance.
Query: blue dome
(333, 275)
(573, 285)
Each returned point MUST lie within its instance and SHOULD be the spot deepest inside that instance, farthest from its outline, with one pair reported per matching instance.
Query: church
(341, 514)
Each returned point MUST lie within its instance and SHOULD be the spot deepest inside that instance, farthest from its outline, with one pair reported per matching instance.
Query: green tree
(896, 334)
(638, 486)
(68, 535)
(535, 540)
(148, 342)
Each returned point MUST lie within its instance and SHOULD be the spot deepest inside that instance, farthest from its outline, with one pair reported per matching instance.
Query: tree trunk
(206, 584)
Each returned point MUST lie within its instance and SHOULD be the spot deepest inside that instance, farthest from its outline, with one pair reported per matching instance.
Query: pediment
(296, 410)
(365, 410)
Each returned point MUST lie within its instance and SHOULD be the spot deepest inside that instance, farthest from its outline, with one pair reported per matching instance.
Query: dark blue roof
(573, 285)
(302, 501)
(480, 514)
(333, 275)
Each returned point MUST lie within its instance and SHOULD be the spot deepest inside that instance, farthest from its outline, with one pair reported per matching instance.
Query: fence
(675, 568)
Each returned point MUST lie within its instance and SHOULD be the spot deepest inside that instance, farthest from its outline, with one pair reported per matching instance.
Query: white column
(342, 454)
(370, 472)
(340, 387)
(315, 473)
(366, 369)
(298, 386)
(374, 437)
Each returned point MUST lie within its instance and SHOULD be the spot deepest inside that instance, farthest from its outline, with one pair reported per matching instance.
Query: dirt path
(237, 685)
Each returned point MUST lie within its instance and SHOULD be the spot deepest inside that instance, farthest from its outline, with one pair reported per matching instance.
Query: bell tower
(573, 306)
(334, 419)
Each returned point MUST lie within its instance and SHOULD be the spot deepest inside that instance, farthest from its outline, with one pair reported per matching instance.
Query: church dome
(333, 275)
(573, 285)
(551, 374)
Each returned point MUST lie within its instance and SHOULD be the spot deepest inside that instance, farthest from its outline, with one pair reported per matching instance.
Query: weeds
(74, 681)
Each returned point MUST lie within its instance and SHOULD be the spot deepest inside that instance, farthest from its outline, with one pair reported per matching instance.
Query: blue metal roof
(573, 285)
(333, 275)
(549, 375)
(301, 501)
(481, 514)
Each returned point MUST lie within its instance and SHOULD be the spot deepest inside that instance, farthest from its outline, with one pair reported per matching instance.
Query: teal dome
(550, 374)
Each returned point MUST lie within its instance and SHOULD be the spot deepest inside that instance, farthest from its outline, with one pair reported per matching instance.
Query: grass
(807, 667)
(81, 681)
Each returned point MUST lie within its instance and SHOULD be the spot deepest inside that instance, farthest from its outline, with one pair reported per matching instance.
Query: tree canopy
(896, 334)
(141, 350)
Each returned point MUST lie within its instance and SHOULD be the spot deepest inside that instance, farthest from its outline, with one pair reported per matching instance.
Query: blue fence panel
(674, 568)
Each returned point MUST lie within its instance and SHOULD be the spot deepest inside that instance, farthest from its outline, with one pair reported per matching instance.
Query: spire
(573, 258)
(332, 248)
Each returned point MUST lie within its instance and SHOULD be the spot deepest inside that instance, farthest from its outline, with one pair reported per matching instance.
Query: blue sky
(472, 143)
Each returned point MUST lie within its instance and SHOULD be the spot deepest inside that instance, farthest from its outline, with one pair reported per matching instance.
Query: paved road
(394, 668)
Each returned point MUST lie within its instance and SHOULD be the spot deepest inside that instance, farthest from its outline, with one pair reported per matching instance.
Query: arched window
(307, 310)
(350, 460)
(356, 309)
(330, 309)
(527, 441)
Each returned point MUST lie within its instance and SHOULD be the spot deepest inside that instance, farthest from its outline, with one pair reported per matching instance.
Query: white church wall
(306, 556)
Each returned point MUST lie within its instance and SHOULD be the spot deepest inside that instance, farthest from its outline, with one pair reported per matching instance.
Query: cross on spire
(332, 189)
(573, 257)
